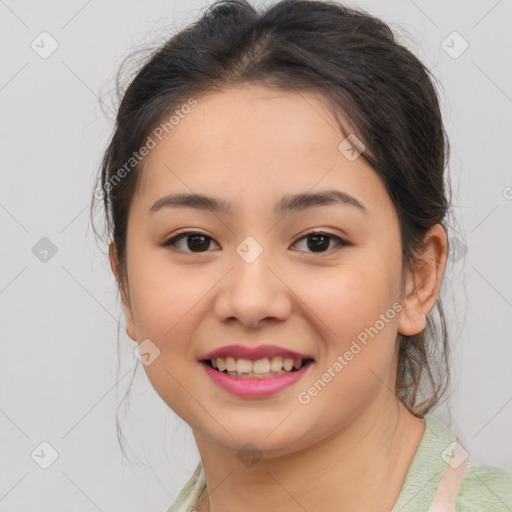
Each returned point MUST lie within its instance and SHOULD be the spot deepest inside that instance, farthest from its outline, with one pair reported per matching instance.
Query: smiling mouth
(265, 368)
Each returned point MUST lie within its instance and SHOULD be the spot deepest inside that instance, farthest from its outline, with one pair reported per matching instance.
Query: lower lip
(255, 387)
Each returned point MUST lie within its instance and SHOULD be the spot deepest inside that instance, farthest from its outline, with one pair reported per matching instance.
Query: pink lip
(254, 353)
(250, 388)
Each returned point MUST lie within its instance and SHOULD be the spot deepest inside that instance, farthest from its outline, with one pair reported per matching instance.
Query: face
(255, 275)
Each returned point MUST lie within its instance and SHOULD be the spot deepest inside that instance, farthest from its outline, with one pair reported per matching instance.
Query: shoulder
(485, 488)
(443, 472)
(190, 493)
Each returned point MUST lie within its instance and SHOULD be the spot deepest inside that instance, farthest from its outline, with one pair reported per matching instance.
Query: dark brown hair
(370, 80)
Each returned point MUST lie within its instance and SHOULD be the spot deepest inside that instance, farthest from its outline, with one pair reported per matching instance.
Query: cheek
(349, 298)
(165, 297)
(169, 303)
(353, 311)
(167, 308)
(359, 342)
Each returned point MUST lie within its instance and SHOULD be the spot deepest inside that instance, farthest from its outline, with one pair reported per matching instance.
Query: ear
(127, 308)
(422, 285)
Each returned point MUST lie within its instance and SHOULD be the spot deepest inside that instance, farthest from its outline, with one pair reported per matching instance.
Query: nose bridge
(252, 273)
(252, 290)
(250, 250)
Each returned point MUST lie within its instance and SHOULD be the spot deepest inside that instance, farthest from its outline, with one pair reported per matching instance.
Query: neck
(360, 467)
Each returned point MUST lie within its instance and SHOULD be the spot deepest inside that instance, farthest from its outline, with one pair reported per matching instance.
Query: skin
(348, 449)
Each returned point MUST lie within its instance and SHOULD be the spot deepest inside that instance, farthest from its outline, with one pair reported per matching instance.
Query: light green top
(483, 488)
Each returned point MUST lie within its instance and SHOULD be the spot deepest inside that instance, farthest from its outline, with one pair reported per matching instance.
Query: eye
(195, 241)
(320, 240)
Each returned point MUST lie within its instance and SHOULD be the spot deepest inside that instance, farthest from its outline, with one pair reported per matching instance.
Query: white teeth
(230, 364)
(276, 364)
(243, 365)
(265, 365)
(261, 365)
(288, 364)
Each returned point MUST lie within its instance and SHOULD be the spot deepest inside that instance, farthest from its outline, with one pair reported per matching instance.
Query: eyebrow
(288, 203)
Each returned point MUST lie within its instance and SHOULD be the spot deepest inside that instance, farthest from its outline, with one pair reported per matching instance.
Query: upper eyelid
(184, 234)
(319, 232)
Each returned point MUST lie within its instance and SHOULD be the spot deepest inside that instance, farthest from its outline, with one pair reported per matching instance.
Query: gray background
(59, 377)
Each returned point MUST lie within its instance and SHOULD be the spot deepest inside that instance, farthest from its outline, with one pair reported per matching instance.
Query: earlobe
(125, 302)
(412, 319)
(424, 282)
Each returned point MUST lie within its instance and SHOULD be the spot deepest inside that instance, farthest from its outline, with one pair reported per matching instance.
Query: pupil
(316, 244)
(205, 243)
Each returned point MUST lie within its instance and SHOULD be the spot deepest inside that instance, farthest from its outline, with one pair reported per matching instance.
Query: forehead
(248, 141)
(238, 119)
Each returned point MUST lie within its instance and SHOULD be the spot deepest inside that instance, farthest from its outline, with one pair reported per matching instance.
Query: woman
(275, 193)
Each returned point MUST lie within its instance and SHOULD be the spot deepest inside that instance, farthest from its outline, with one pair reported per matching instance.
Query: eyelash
(173, 240)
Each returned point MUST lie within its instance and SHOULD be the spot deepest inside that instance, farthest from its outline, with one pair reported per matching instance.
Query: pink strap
(444, 498)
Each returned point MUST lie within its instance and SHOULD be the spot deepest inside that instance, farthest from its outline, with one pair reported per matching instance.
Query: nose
(252, 293)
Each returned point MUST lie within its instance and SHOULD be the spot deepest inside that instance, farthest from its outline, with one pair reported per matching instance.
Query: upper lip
(254, 353)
